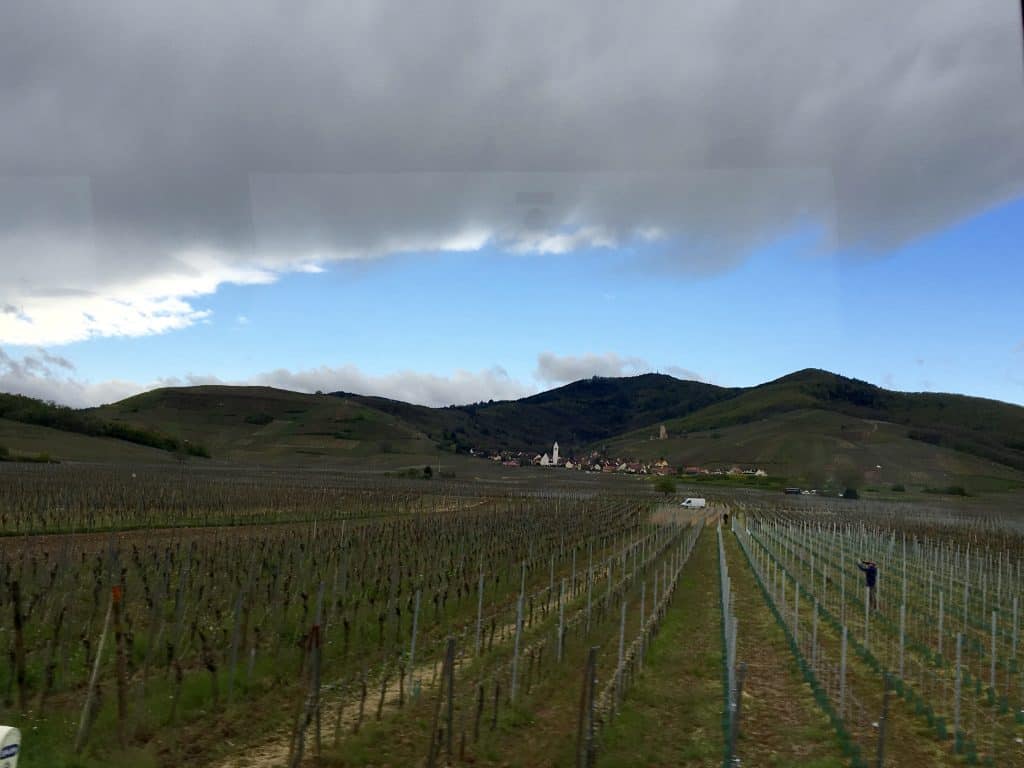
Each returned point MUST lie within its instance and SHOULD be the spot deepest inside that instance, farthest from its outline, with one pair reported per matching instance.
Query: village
(595, 461)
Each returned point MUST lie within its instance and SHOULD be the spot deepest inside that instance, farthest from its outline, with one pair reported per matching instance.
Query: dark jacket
(870, 573)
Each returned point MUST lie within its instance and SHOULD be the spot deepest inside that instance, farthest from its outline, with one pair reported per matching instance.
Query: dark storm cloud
(182, 146)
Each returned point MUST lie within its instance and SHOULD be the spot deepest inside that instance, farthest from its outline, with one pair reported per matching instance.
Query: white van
(693, 503)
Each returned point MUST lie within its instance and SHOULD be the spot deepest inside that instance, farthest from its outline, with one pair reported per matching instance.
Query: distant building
(554, 454)
(545, 461)
(662, 433)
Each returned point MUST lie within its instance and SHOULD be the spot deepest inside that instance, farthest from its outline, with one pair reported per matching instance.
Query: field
(156, 614)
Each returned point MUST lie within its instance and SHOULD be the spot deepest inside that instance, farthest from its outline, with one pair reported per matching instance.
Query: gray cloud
(149, 155)
(684, 373)
(555, 369)
(561, 369)
(51, 377)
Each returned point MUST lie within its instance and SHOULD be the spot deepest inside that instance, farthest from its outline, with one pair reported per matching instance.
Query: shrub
(665, 485)
(851, 493)
(898, 488)
(949, 490)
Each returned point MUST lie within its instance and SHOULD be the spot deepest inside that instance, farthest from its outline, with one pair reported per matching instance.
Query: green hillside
(984, 428)
(63, 420)
(815, 448)
(22, 441)
(811, 424)
(256, 424)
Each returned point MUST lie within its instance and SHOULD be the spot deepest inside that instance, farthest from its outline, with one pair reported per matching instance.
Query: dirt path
(340, 712)
(781, 723)
(340, 707)
(673, 714)
(910, 742)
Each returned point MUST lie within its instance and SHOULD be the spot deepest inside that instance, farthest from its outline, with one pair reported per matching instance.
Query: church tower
(554, 454)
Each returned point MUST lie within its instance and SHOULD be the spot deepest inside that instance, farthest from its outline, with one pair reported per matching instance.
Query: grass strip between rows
(849, 747)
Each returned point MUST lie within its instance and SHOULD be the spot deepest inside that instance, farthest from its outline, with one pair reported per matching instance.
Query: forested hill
(576, 414)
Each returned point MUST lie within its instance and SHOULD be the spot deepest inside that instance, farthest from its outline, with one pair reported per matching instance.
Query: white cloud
(561, 369)
(410, 386)
(555, 369)
(685, 373)
(562, 242)
(81, 306)
(50, 377)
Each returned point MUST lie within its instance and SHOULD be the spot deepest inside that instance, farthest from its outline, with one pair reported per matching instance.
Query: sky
(454, 202)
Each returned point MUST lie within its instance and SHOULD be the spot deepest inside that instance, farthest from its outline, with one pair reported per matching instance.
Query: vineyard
(232, 618)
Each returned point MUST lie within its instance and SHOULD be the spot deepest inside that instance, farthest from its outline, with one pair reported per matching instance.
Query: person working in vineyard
(871, 579)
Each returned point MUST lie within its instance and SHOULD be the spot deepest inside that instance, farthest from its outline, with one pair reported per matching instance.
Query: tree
(665, 484)
(428, 472)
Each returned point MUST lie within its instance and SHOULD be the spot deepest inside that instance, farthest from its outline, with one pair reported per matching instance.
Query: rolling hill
(261, 424)
(810, 424)
(987, 429)
(577, 414)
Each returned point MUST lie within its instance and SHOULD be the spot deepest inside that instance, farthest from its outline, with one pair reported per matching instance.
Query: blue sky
(944, 313)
